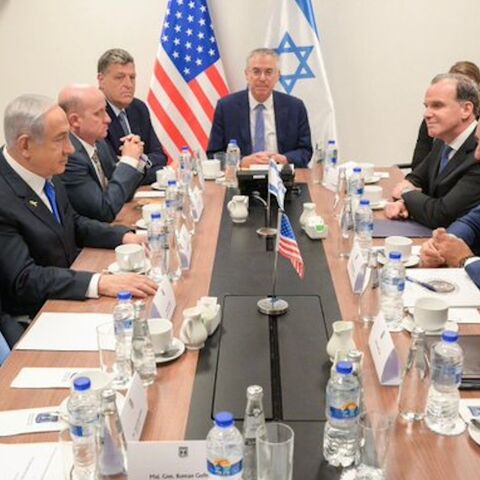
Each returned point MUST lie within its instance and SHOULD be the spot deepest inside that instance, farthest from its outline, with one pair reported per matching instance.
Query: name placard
(163, 304)
(134, 410)
(167, 460)
(385, 357)
(197, 203)
(185, 248)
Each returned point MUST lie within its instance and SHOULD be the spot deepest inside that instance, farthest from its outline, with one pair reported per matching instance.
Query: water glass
(275, 452)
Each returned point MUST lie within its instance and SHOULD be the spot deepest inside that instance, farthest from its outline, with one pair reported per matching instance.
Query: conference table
(180, 400)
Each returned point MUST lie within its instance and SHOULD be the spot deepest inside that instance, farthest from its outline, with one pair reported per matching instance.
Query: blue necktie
(446, 149)
(4, 349)
(259, 137)
(49, 190)
(122, 117)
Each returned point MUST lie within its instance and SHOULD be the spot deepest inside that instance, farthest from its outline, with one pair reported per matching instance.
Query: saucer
(114, 269)
(474, 433)
(411, 261)
(373, 179)
(176, 343)
(212, 177)
(380, 205)
(141, 224)
(409, 324)
(157, 186)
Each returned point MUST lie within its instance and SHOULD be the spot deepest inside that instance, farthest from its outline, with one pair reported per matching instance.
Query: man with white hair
(40, 233)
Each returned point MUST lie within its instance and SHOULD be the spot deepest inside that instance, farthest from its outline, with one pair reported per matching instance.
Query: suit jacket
(140, 124)
(36, 251)
(232, 120)
(83, 186)
(449, 195)
(10, 332)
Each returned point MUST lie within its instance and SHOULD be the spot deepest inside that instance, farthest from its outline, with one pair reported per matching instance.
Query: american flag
(288, 246)
(188, 77)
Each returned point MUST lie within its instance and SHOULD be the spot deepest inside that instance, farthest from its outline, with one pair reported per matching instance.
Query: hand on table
(139, 285)
(429, 256)
(262, 158)
(131, 237)
(396, 210)
(450, 247)
(132, 146)
(397, 189)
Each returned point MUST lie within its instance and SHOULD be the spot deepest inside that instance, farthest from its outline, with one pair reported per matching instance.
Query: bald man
(97, 186)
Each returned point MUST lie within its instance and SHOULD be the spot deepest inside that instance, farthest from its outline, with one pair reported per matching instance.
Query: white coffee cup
(400, 244)
(164, 175)
(430, 313)
(150, 208)
(161, 331)
(374, 193)
(130, 257)
(211, 168)
(368, 169)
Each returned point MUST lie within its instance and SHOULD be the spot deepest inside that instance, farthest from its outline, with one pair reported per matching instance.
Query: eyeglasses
(258, 72)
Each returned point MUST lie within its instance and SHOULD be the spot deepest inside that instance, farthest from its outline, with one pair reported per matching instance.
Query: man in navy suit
(446, 185)
(266, 123)
(129, 115)
(97, 186)
(40, 232)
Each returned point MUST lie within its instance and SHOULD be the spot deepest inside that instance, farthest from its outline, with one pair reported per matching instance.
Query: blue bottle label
(222, 467)
(345, 412)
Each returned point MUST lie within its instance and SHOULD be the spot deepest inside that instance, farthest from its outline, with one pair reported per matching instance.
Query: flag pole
(272, 305)
(267, 231)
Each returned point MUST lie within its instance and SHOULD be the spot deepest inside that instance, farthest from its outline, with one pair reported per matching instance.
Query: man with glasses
(266, 123)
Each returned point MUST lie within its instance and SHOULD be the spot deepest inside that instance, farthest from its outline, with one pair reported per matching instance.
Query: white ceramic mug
(368, 169)
(374, 193)
(161, 331)
(130, 257)
(430, 313)
(150, 208)
(164, 175)
(211, 168)
(400, 244)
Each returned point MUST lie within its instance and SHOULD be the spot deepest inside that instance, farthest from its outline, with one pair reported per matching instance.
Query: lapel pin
(33, 203)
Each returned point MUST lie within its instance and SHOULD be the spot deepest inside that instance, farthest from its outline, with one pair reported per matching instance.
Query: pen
(422, 284)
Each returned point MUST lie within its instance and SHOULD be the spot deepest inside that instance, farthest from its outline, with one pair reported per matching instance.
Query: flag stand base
(266, 232)
(273, 306)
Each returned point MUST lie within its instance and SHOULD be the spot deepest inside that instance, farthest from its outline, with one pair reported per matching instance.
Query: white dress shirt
(269, 119)
(460, 140)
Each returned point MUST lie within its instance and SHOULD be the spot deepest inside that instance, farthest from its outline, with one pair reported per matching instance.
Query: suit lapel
(103, 151)
(244, 123)
(80, 149)
(281, 120)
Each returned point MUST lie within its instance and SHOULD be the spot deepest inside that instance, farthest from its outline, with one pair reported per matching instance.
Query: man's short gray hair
(467, 90)
(111, 57)
(262, 51)
(25, 116)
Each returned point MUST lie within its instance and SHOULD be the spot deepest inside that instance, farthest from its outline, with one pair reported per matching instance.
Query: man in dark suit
(129, 115)
(40, 233)
(446, 185)
(266, 124)
(97, 186)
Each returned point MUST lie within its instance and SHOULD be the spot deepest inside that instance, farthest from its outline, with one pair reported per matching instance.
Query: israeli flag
(292, 32)
(275, 183)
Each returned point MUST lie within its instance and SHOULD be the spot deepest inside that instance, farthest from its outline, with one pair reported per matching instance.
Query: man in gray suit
(97, 186)
(40, 233)
(446, 185)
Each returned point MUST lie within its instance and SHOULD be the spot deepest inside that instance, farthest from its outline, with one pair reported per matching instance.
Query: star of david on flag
(292, 32)
(188, 77)
(287, 245)
(275, 183)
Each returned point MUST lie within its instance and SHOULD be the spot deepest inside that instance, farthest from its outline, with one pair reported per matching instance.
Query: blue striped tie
(259, 137)
(446, 149)
(122, 117)
(49, 190)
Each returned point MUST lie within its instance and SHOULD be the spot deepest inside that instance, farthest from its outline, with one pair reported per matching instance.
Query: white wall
(379, 54)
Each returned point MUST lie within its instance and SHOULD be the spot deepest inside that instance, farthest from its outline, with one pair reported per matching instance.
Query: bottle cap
(124, 295)
(357, 169)
(394, 255)
(156, 216)
(82, 384)
(184, 148)
(344, 367)
(172, 182)
(233, 140)
(224, 419)
(364, 201)
(449, 336)
(331, 142)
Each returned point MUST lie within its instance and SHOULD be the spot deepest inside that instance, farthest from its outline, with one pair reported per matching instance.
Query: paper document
(64, 332)
(38, 377)
(149, 194)
(30, 420)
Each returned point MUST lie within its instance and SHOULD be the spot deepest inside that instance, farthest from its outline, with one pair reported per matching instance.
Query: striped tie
(259, 134)
(98, 168)
(446, 149)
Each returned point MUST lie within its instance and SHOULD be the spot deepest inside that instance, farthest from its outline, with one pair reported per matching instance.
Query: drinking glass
(275, 452)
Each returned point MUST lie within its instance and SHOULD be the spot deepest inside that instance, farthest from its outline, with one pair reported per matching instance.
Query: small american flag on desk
(188, 77)
(288, 246)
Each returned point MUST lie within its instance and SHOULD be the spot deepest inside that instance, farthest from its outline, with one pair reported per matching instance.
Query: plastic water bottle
(342, 410)
(355, 181)
(156, 241)
(392, 285)
(356, 198)
(369, 302)
(345, 239)
(83, 410)
(172, 262)
(232, 161)
(224, 449)
(341, 193)
(186, 166)
(171, 199)
(330, 161)
(317, 164)
(123, 316)
(143, 356)
(254, 420)
(184, 208)
(364, 226)
(443, 396)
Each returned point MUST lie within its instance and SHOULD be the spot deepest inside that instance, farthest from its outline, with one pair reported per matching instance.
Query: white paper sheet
(149, 194)
(29, 420)
(64, 332)
(463, 315)
(466, 293)
(38, 377)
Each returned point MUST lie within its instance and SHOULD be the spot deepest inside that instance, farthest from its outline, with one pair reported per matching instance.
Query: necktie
(259, 134)
(122, 117)
(446, 149)
(49, 190)
(99, 170)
